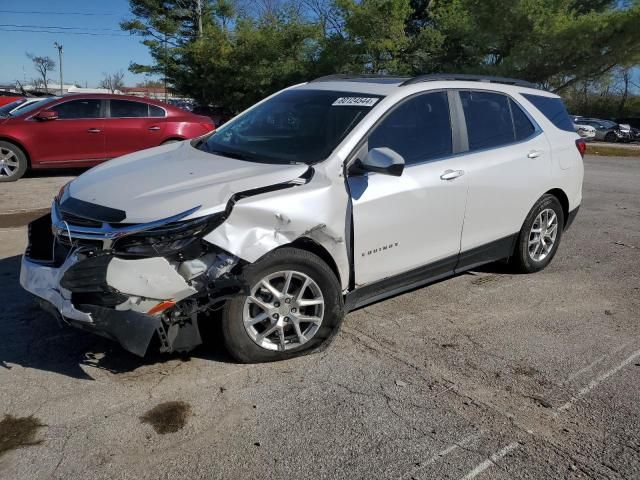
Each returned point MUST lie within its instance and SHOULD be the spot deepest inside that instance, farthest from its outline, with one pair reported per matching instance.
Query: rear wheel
(293, 306)
(540, 235)
(13, 162)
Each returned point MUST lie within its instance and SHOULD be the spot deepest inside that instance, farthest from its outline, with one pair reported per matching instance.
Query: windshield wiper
(225, 153)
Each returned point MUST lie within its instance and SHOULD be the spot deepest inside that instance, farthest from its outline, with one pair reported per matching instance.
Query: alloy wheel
(542, 236)
(8, 162)
(284, 310)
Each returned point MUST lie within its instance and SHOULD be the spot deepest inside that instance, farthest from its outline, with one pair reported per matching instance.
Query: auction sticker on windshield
(355, 102)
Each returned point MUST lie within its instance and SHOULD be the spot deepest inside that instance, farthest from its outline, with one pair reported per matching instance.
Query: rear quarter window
(553, 109)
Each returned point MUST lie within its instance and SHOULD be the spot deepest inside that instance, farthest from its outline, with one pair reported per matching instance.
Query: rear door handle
(534, 154)
(94, 130)
(154, 128)
(451, 174)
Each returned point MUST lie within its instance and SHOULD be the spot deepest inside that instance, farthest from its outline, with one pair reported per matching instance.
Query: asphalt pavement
(488, 375)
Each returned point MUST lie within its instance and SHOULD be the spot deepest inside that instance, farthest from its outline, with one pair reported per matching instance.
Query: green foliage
(221, 53)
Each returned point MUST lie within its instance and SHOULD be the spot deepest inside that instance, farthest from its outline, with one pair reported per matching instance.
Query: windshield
(609, 123)
(35, 105)
(294, 126)
(5, 109)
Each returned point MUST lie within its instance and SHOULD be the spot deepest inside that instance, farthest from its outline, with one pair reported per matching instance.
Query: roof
(116, 96)
(387, 84)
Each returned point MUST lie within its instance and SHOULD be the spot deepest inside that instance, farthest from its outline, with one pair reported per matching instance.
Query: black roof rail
(345, 77)
(434, 77)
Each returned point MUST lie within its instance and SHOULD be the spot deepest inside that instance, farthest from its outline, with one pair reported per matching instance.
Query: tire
(610, 137)
(242, 340)
(13, 162)
(528, 256)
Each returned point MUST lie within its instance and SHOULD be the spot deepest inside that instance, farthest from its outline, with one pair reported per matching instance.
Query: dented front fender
(259, 224)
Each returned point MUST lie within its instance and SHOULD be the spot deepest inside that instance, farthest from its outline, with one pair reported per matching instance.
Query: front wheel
(13, 162)
(540, 235)
(292, 306)
(610, 137)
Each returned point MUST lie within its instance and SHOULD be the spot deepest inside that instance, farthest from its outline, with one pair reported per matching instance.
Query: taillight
(208, 126)
(581, 146)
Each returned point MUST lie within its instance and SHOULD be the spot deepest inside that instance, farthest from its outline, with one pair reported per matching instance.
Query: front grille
(79, 221)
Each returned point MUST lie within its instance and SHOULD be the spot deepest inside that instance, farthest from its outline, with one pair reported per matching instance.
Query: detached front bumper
(125, 298)
(132, 330)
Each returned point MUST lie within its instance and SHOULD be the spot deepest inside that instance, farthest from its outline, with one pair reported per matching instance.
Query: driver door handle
(451, 174)
(94, 130)
(534, 154)
(154, 128)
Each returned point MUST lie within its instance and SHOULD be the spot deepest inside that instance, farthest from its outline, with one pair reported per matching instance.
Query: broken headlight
(169, 239)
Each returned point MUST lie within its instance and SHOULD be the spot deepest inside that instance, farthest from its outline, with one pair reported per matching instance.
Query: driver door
(411, 222)
(76, 136)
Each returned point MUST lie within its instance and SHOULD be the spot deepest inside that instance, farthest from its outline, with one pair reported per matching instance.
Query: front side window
(294, 126)
(78, 109)
(127, 109)
(419, 129)
(488, 118)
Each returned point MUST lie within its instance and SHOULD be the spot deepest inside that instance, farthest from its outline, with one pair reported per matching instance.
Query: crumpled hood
(164, 181)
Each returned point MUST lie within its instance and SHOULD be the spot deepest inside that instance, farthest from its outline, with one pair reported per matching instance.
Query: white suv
(318, 200)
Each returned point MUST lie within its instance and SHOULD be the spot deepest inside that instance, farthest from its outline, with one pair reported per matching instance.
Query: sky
(86, 57)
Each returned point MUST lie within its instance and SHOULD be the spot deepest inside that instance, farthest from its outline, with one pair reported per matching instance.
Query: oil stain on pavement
(167, 417)
(16, 432)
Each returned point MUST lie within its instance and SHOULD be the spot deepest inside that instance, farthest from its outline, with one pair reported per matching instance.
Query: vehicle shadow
(58, 172)
(31, 338)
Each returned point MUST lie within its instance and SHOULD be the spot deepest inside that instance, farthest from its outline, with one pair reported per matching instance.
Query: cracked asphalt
(487, 375)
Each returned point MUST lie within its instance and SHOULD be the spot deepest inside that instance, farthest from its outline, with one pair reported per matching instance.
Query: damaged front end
(128, 282)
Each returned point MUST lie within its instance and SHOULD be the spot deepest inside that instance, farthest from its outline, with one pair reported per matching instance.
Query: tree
(113, 81)
(554, 43)
(233, 52)
(42, 65)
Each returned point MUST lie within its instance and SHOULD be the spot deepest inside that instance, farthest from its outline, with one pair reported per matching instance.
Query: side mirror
(47, 115)
(381, 160)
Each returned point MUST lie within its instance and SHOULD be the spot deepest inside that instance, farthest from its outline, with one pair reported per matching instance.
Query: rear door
(131, 126)
(411, 222)
(509, 167)
(76, 136)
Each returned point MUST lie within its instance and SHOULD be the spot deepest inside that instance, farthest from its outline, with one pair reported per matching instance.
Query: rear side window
(155, 111)
(419, 129)
(488, 118)
(522, 126)
(127, 109)
(553, 109)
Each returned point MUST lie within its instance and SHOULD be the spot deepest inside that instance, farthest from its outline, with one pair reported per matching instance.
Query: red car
(83, 130)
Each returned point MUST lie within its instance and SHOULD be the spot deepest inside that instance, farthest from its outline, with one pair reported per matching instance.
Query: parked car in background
(606, 130)
(12, 109)
(633, 121)
(8, 97)
(84, 130)
(585, 131)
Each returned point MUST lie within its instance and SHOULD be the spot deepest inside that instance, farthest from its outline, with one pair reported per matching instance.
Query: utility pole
(59, 47)
(199, 13)
(166, 93)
